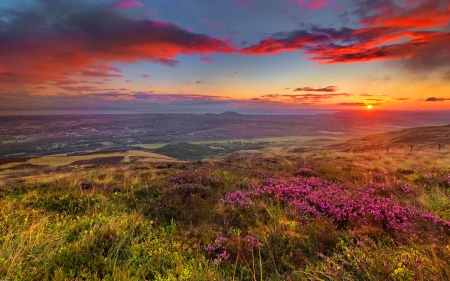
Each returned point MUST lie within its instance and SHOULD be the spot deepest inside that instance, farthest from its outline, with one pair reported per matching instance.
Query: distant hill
(226, 115)
(229, 113)
(419, 136)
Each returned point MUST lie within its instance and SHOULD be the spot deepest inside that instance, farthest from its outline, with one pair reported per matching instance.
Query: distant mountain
(229, 113)
(419, 136)
(226, 114)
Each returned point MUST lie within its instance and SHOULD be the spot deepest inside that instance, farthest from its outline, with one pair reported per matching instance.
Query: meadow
(319, 215)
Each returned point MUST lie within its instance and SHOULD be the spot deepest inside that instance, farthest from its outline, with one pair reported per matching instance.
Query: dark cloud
(352, 103)
(85, 89)
(362, 103)
(111, 99)
(447, 75)
(376, 100)
(433, 99)
(193, 82)
(309, 89)
(302, 98)
(64, 82)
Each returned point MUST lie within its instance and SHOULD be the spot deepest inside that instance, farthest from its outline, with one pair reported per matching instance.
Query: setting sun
(369, 106)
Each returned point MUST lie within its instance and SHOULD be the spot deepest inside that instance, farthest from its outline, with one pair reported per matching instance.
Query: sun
(369, 106)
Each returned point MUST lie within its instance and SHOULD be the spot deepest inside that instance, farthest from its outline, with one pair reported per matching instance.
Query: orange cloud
(35, 59)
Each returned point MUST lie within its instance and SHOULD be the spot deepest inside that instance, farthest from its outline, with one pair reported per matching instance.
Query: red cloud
(413, 14)
(302, 98)
(317, 4)
(206, 59)
(127, 4)
(313, 4)
(394, 32)
(37, 59)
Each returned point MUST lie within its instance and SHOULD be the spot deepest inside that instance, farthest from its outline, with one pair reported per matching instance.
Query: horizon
(75, 112)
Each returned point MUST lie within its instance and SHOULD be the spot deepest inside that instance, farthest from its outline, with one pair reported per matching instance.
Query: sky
(217, 55)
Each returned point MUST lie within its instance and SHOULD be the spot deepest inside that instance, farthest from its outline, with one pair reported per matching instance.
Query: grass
(66, 160)
(14, 141)
(151, 145)
(145, 156)
(242, 218)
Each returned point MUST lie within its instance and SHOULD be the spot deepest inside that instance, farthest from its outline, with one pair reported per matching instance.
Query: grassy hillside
(420, 138)
(311, 216)
(11, 168)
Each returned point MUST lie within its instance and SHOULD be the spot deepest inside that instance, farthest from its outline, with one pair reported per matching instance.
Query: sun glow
(369, 106)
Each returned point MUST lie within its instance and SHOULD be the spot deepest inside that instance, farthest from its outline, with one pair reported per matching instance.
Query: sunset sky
(217, 55)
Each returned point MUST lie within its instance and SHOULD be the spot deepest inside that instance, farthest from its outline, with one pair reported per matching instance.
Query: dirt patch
(13, 160)
(24, 166)
(298, 150)
(136, 158)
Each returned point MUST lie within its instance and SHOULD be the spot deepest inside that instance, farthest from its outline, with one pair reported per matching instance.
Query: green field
(151, 145)
(14, 141)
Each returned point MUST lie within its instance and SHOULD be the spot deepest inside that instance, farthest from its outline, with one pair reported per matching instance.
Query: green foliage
(67, 203)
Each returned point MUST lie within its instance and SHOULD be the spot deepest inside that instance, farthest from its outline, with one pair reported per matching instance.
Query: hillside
(11, 168)
(420, 137)
(318, 215)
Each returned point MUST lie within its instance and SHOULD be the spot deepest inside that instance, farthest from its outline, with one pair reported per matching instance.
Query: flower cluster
(344, 203)
(446, 180)
(238, 198)
(236, 245)
(218, 250)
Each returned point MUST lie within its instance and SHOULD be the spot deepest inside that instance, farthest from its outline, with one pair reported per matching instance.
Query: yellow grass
(147, 157)
(55, 161)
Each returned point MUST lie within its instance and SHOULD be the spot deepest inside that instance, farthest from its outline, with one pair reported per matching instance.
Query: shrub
(305, 172)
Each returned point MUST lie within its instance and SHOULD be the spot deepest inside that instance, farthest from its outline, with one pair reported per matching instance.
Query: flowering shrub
(446, 180)
(305, 172)
(238, 198)
(320, 198)
(236, 245)
(86, 185)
